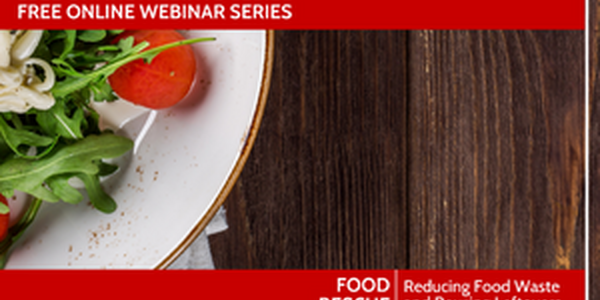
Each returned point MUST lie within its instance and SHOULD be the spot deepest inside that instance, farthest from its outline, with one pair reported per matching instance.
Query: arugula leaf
(126, 46)
(90, 124)
(98, 197)
(109, 48)
(69, 42)
(51, 36)
(106, 169)
(63, 68)
(78, 158)
(55, 120)
(61, 187)
(17, 137)
(102, 91)
(91, 36)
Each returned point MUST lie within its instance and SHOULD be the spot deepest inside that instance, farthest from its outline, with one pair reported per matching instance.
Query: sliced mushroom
(34, 98)
(12, 102)
(26, 44)
(5, 43)
(10, 78)
(49, 77)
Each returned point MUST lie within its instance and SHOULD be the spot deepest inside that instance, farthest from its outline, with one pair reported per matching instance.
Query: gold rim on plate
(262, 100)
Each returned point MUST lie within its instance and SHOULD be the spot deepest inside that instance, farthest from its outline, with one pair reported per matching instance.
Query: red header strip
(293, 14)
(292, 285)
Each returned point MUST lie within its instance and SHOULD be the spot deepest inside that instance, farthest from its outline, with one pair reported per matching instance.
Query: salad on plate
(53, 145)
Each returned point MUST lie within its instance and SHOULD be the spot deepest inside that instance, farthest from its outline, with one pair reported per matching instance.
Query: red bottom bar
(306, 285)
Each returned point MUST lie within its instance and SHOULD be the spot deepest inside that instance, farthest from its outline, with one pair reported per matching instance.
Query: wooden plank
(496, 149)
(594, 156)
(325, 184)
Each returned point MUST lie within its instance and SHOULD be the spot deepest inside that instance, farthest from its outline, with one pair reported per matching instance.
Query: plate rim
(241, 161)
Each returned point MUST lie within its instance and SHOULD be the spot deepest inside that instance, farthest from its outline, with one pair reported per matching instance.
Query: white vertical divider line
(587, 150)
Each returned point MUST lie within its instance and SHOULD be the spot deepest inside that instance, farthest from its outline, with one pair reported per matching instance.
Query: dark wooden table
(415, 150)
(594, 156)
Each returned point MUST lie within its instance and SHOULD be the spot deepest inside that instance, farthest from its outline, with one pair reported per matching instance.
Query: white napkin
(197, 255)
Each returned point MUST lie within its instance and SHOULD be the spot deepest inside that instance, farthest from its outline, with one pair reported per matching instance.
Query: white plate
(179, 174)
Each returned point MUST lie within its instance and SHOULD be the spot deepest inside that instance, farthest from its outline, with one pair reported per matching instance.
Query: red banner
(293, 14)
(305, 285)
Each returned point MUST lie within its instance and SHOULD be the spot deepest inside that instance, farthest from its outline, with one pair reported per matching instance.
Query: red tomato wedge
(162, 83)
(4, 218)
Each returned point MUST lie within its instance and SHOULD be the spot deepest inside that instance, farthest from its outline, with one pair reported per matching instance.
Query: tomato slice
(4, 218)
(162, 83)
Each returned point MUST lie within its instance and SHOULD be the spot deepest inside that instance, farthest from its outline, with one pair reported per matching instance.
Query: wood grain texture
(325, 184)
(496, 149)
(594, 155)
(415, 150)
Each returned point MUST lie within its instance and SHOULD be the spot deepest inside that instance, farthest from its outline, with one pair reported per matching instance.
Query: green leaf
(91, 121)
(17, 137)
(116, 31)
(100, 199)
(126, 44)
(70, 85)
(91, 36)
(5, 150)
(54, 35)
(105, 169)
(63, 68)
(4, 209)
(103, 92)
(109, 48)
(56, 120)
(43, 51)
(78, 158)
(61, 187)
(128, 49)
(69, 42)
